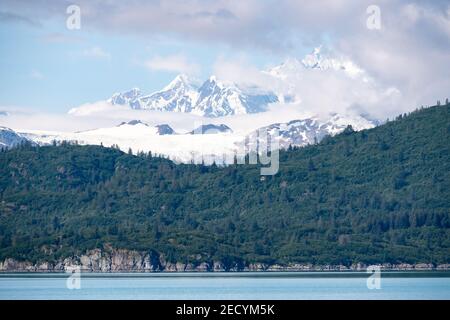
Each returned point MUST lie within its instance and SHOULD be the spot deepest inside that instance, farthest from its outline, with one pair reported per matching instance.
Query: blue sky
(144, 43)
(51, 68)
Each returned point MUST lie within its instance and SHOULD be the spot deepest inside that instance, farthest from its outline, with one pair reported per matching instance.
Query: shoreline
(124, 260)
(229, 275)
(13, 266)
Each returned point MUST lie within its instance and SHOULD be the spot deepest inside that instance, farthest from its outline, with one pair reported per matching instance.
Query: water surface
(193, 286)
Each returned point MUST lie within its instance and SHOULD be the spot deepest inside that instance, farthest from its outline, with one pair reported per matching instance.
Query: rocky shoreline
(121, 260)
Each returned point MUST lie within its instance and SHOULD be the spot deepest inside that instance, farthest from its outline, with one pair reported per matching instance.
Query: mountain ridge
(378, 196)
(212, 99)
(186, 147)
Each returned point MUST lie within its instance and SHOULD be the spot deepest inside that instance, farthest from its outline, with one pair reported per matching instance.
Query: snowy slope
(220, 99)
(178, 147)
(309, 130)
(294, 81)
(319, 60)
(211, 129)
(212, 99)
(208, 142)
(179, 96)
(9, 138)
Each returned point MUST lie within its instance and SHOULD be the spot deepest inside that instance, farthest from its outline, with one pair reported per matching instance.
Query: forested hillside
(374, 196)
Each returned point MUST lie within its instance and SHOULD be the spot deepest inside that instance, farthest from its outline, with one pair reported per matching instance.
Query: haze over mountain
(405, 64)
(295, 81)
(289, 86)
(206, 142)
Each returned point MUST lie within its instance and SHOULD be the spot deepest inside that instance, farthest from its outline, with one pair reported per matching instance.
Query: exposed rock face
(94, 261)
(122, 260)
(256, 267)
(204, 267)
(13, 265)
(218, 266)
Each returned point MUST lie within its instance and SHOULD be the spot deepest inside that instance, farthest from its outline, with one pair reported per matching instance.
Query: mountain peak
(129, 97)
(213, 98)
(314, 59)
(290, 67)
(164, 129)
(132, 93)
(133, 123)
(181, 80)
(320, 58)
(211, 129)
(9, 138)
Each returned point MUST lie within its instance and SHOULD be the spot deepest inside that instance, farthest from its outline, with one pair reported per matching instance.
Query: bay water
(229, 286)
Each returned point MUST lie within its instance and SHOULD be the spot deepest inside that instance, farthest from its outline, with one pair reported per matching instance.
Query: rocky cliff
(122, 260)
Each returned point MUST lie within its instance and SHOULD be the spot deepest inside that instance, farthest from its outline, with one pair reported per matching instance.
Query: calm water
(276, 285)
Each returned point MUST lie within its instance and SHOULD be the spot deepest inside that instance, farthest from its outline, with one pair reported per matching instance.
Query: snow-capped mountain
(133, 128)
(164, 129)
(319, 60)
(209, 142)
(130, 97)
(218, 99)
(296, 81)
(159, 139)
(179, 96)
(212, 99)
(9, 138)
(296, 85)
(307, 131)
(132, 123)
(211, 129)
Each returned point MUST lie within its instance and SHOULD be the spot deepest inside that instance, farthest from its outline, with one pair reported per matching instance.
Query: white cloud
(410, 52)
(88, 116)
(243, 72)
(317, 91)
(173, 63)
(99, 107)
(97, 53)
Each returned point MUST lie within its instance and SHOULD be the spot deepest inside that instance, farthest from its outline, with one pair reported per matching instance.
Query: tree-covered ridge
(374, 196)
